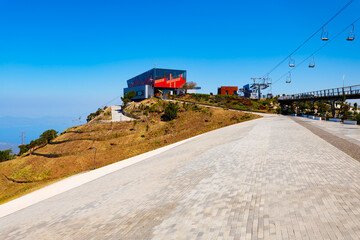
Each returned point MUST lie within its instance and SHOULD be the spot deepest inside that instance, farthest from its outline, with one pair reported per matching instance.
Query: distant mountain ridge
(12, 146)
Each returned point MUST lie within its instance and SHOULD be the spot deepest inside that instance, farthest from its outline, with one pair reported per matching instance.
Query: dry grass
(73, 151)
(231, 102)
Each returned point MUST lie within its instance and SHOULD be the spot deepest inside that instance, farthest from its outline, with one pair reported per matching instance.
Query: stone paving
(269, 178)
(350, 133)
(117, 116)
(341, 141)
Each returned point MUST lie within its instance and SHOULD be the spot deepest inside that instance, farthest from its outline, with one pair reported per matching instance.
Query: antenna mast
(23, 137)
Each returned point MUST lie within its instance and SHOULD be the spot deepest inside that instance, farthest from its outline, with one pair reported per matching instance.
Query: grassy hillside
(74, 150)
(269, 105)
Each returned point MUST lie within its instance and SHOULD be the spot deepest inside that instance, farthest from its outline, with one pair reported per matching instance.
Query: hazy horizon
(11, 127)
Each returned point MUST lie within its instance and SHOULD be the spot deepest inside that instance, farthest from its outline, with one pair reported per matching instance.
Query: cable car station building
(227, 90)
(156, 80)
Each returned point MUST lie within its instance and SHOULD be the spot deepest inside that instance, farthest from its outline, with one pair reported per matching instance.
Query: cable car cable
(316, 51)
(308, 39)
(101, 106)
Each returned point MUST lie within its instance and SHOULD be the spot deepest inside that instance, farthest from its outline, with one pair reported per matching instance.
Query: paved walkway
(269, 178)
(344, 137)
(117, 116)
(349, 132)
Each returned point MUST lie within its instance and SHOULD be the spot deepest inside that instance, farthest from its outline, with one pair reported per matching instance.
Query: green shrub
(171, 111)
(239, 107)
(48, 135)
(246, 116)
(35, 143)
(6, 155)
(128, 96)
(23, 148)
(196, 108)
(186, 106)
(94, 115)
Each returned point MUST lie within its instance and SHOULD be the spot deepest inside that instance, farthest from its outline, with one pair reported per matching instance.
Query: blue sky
(65, 58)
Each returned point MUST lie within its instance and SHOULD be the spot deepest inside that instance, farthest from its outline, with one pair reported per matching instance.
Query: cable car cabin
(292, 62)
(325, 36)
(312, 62)
(288, 78)
(351, 36)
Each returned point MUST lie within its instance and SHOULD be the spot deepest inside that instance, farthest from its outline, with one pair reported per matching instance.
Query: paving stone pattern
(348, 132)
(344, 145)
(269, 178)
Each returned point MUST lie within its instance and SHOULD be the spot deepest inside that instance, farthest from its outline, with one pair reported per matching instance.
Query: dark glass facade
(159, 74)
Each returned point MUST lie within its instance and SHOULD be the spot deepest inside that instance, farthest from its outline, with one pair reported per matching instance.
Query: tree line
(91, 116)
(44, 139)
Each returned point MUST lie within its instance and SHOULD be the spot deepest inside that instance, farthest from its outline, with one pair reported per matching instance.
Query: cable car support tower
(260, 84)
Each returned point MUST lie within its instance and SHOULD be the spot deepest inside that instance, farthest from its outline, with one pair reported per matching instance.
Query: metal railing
(333, 92)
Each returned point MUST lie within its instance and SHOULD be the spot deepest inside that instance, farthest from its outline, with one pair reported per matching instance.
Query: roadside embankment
(90, 146)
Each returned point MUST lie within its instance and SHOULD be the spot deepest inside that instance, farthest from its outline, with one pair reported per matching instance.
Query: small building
(226, 90)
(247, 91)
(156, 80)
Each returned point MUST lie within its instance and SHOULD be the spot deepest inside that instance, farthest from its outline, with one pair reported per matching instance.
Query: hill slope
(90, 146)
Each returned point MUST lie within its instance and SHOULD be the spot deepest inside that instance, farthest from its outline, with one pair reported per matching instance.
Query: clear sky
(66, 58)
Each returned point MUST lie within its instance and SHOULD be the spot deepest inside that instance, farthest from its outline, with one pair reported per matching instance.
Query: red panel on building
(227, 90)
(170, 83)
